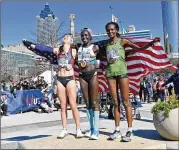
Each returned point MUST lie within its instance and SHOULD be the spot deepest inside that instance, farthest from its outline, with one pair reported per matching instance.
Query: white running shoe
(94, 136)
(63, 134)
(88, 134)
(79, 134)
(115, 135)
(127, 137)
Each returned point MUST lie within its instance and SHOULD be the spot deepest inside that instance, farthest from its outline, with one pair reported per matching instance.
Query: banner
(23, 101)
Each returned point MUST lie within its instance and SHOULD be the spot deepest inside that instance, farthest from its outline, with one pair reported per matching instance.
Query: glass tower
(170, 25)
(47, 27)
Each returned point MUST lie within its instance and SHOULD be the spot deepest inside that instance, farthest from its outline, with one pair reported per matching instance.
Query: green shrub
(166, 107)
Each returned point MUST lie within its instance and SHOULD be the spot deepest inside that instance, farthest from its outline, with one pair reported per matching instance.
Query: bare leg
(63, 103)
(113, 90)
(124, 88)
(93, 86)
(71, 92)
(85, 91)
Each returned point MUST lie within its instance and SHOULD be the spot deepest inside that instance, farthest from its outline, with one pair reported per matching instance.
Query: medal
(83, 63)
(68, 67)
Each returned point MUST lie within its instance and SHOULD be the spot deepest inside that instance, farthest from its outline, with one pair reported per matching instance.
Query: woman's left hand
(157, 39)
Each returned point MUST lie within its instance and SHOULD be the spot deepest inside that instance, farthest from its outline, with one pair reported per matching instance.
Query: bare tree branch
(53, 36)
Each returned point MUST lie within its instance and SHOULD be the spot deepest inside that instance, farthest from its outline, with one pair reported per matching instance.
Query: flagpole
(111, 13)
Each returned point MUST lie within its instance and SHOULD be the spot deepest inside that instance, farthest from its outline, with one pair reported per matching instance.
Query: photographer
(4, 106)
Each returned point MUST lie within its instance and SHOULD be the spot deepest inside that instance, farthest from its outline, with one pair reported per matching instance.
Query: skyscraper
(47, 27)
(170, 25)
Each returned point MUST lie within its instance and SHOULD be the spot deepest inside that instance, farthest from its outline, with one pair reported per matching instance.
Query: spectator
(4, 106)
(175, 79)
(13, 89)
(45, 103)
(32, 83)
(161, 89)
(170, 88)
(38, 83)
(143, 90)
(25, 85)
(4, 87)
(56, 102)
(44, 83)
(149, 90)
(154, 88)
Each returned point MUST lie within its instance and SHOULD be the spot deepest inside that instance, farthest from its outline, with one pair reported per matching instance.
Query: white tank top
(87, 54)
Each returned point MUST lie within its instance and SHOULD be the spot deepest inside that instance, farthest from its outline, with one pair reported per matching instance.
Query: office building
(170, 25)
(47, 27)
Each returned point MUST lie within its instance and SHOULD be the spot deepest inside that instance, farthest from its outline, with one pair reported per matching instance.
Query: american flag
(139, 64)
(143, 62)
(114, 18)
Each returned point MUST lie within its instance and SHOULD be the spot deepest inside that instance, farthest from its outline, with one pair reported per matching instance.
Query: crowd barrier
(24, 100)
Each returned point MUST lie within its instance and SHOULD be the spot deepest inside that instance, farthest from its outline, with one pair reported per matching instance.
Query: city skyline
(14, 29)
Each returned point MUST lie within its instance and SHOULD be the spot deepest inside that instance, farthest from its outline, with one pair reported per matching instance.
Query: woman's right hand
(27, 43)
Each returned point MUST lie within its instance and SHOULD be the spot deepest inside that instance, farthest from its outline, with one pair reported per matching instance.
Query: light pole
(72, 24)
(111, 12)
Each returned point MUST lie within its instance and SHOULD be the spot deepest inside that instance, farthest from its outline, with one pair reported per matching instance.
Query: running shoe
(95, 135)
(88, 134)
(63, 134)
(79, 134)
(127, 137)
(115, 135)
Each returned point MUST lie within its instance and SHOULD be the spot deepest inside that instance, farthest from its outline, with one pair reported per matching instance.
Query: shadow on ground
(145, 120)
(148, 134)
(22, 138)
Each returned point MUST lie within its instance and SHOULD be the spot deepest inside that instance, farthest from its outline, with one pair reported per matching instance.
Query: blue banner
(23, 101)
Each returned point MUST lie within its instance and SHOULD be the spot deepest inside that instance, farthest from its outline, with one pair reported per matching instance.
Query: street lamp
(72, 24)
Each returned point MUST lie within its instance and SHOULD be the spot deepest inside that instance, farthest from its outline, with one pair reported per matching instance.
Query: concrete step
(70, 142)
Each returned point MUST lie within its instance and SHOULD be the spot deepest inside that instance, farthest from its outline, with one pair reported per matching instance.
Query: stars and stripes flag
(142, 63)
(139, 64)
(114, 18)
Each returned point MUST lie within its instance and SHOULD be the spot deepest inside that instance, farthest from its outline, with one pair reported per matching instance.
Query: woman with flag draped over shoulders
(114, 51)
(66, 86)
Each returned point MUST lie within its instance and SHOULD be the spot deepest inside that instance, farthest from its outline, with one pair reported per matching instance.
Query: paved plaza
(39, 131)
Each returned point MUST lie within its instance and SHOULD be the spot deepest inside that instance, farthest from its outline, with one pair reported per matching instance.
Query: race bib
(84, 56)
(62, 61)
(113, 55)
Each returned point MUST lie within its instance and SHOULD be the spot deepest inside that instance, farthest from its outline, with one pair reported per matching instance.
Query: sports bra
(65, 60)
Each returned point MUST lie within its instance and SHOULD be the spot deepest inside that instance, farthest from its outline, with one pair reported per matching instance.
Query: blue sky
(18, 19)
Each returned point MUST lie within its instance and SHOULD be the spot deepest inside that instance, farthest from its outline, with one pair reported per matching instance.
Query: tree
(47, 34)
(7, 72)
(48, 41)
